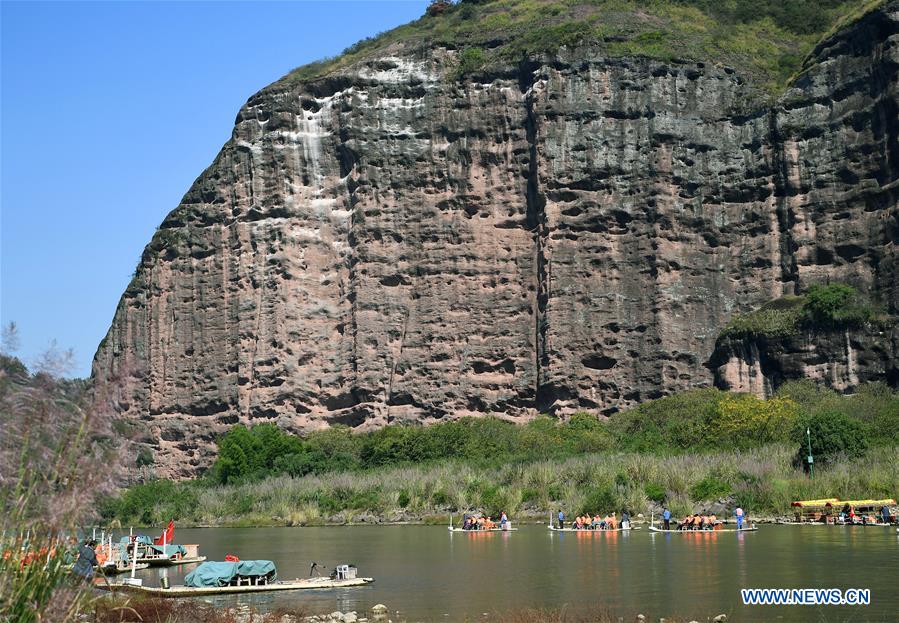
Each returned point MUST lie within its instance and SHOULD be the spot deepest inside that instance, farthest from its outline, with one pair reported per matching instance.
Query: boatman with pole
(561, 519)
(666, 517)
(739, 515)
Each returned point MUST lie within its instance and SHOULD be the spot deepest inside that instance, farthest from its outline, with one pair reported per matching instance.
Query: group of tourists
(849, 515)
(596, 522)
(470, 522)
(700, 522)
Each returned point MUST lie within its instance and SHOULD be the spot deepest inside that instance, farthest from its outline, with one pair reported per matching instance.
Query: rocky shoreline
(379, 614)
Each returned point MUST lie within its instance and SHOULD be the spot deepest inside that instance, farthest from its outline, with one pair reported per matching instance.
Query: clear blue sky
(110, 110)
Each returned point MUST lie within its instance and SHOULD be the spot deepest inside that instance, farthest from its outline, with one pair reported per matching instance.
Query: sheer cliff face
(390, 243)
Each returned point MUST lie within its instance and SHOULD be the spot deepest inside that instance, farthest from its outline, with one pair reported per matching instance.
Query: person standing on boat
(561, 519)
(503, 520)
(625, 520)
(666, 517)
(739, 515)
(87, 560)
(885, 514)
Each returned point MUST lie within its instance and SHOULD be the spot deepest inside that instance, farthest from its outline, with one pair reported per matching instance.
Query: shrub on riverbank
(693, 421)
(264, 450)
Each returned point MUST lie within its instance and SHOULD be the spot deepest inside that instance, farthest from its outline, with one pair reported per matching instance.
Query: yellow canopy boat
(859, 504)
(814, 503)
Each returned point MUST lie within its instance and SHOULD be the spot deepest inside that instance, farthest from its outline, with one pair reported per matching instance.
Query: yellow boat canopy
(824, 502)
(854, 503)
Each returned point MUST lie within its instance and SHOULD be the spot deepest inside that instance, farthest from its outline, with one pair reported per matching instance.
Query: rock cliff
(391, 241)
(841, 359)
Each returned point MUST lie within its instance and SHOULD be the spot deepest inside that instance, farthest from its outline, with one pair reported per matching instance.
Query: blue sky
(110, 110)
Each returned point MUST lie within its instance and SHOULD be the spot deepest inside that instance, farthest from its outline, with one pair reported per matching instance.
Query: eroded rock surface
(841, 359)
(391, 243)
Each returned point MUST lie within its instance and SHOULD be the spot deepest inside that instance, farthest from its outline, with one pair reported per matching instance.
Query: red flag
(167, 536)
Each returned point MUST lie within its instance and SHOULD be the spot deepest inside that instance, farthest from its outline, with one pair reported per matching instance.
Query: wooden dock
(190, 591)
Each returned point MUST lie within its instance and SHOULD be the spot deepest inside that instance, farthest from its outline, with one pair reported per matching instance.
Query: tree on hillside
(833, 434)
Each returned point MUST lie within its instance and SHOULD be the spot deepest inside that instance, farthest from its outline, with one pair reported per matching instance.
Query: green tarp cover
(169, 551)
(140, 538)
(222, 573)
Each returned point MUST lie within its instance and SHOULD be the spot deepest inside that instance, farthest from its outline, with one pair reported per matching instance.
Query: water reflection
(426, 575)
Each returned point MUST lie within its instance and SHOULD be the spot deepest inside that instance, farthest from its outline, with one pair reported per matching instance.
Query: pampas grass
(763, 480)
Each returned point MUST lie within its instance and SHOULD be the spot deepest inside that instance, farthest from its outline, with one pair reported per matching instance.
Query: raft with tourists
(592, 530)
(588, 524)
(478, 523)
(246, 576)
(701, 524)
(713, 530)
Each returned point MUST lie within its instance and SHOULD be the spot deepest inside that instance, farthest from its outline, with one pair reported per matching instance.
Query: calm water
(429, 574)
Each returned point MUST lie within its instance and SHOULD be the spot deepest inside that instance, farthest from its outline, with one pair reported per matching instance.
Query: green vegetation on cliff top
(766, 41)
(824, 307)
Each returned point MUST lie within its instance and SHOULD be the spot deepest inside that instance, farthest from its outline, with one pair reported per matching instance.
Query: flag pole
(811, 459)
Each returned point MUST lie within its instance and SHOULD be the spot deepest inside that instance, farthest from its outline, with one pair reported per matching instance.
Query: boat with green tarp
(245, 576)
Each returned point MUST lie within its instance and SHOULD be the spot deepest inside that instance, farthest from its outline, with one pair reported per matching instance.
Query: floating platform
(190, 591)
(171, 562)
(752, 529)
(116, 569)
(591, 530)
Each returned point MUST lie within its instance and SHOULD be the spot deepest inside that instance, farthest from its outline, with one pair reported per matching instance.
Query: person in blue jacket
(561, 519)
(738, 513)
(87, 560)
(666, 517)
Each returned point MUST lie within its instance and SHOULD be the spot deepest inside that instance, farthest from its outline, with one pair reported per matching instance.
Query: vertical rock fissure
(536, 223)
(782, 192)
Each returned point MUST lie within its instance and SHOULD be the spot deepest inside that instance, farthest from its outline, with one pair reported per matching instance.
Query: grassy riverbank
(762, 480)
(691, 451)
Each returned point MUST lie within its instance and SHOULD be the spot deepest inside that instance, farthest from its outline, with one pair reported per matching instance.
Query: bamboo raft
(834, 524)
(190, 591)
(591, 530)
(451, 529)
(753, 528)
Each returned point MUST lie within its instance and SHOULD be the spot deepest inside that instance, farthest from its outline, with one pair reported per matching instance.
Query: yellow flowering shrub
(742, 420)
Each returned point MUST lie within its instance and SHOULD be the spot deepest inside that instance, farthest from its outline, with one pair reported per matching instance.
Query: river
(428, 574)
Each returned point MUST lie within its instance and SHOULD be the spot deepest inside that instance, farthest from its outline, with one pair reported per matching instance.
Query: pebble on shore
(378, 614)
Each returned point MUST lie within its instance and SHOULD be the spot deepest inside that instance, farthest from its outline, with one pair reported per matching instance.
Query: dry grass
(158, 610)
(55, 449)
(763, 480)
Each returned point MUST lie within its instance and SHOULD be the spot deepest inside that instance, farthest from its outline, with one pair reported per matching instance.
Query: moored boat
(161, 555)
(833, 511)
(278, 585)
(249, 576)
